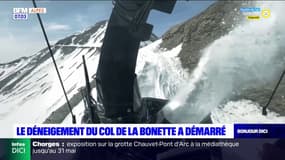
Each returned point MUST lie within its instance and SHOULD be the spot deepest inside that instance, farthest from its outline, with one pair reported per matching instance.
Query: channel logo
(265, 13)
(18, 148)
(22, 13)
(255, 13)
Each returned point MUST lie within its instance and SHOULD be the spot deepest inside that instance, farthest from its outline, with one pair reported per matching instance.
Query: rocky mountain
(219, 20)
(201, 30)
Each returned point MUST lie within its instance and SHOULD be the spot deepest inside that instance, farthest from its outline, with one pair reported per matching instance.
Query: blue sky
(63, 18)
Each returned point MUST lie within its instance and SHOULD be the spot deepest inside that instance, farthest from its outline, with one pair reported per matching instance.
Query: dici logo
(19, 149)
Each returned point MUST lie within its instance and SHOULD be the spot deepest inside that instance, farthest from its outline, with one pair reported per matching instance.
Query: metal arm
(127, 27)
(90, 102)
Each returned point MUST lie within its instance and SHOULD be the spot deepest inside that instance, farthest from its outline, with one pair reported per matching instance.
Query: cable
(264, 112)
(55, 65)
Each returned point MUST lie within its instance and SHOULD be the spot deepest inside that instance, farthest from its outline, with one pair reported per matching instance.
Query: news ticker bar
(66, 149)
(111, 0)
(150, 131)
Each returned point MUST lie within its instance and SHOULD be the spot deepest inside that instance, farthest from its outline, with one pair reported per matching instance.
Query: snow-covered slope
(30, 89)
(243, 111)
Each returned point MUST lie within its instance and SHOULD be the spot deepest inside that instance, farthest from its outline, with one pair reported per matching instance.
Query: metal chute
(127, 27)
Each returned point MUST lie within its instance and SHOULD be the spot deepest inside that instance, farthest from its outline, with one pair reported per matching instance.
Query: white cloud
(11, 36)
(14, 46)
(81, 20)
(57, 27)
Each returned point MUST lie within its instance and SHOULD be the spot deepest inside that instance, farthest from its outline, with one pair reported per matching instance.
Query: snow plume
(251, 55)
(159, 71)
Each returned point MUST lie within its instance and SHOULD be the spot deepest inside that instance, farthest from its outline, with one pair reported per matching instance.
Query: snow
(247, 57)
(243, 111)
(159, 80)
(159, 71)
(10, 69)
(78, 111)
(40, 91)
(43, 96)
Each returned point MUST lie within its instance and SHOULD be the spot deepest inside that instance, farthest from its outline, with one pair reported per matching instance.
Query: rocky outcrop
(200, 31)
